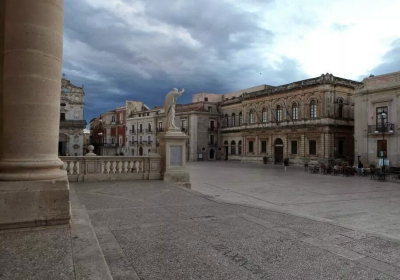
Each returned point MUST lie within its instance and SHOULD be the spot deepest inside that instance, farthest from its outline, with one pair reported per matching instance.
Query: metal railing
(381, 128)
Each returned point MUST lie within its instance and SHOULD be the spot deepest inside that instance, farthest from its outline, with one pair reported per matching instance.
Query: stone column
(33, 187)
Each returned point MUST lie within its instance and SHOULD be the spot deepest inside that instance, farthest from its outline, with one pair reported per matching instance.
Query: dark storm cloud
(142, 53)
(390, 62)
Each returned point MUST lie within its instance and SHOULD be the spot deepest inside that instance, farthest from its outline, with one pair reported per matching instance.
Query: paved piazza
(152, 230)
(355, 201)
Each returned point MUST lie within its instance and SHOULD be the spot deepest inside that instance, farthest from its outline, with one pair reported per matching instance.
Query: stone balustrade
(108, 168)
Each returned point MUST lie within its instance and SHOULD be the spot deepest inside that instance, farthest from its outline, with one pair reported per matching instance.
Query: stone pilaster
(32, 185)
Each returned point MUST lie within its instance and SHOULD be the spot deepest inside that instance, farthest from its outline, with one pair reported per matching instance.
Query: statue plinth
(173, 157)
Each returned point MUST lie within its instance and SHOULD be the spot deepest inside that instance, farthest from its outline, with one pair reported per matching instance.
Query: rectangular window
(379, 118)
(205, 98)
(295, 112)
(149, 139)
(382, 148)
(141, 139)
(211, 139)
(210, 109)
(264, 147)
(133, 128)
(62, 116)
(312, 147)
(212, 125)
(149, 127)
(184, 124)
(294, 147)
(251, 147)
(140, 127)
(160, 126)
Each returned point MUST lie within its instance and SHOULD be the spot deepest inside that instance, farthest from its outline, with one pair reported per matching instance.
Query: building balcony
(140, 131)
(160, 129)
(132, 132)
(149, 131)
(212, 144)
(386, 128)
(212, 129)
(73, 124)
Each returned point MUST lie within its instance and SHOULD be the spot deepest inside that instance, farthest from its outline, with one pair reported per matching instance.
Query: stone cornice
(322, 80)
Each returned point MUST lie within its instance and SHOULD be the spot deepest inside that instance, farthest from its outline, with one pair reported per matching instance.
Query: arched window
(226, 121)
(252, 116)
(133, 152)
(240, 148)
(279, 113)
(233, 120)
(233, 148)
(295, 111)
(313, 109)
(240, 118)
(226, 143)
(264, 115)
(340, 109)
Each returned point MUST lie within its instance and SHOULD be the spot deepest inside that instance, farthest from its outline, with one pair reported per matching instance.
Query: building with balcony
(109, 132)
(377, 105)
(141, 137)
(72, 124)
(309, 120)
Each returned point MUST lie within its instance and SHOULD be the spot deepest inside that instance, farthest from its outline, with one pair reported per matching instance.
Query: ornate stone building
(377, 105)
(71, 142)
(309, 120)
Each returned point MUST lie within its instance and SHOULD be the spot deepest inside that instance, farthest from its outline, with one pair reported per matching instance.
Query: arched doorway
(226, 149)
(212, 154)
(278, 151)
(140, 151)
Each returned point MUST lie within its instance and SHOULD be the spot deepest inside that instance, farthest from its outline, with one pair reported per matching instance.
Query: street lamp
(383, 117)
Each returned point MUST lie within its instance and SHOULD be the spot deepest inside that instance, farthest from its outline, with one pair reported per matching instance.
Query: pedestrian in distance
(286, 163)
(360, 168)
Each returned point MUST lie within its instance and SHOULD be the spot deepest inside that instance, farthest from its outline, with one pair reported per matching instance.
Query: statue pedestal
(173, 157)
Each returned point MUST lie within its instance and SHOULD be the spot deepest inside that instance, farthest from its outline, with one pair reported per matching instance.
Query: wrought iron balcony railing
(381, 128)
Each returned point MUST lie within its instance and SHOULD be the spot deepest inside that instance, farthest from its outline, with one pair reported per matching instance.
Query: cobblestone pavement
(355, 201)
(150, 230)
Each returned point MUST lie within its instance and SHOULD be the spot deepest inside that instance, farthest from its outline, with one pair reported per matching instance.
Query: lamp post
(383, 118)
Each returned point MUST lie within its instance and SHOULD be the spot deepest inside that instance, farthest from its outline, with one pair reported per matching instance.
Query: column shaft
(31, 39)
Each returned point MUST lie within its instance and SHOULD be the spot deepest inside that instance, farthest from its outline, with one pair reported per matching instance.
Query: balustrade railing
(103, 168)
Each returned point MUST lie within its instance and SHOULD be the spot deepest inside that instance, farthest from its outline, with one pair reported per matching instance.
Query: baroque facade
(309, 120)
(377, 105)
(72, 123)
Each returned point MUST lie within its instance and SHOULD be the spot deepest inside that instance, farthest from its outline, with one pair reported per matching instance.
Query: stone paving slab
(42, 253)
(357, 202)
(171, 239)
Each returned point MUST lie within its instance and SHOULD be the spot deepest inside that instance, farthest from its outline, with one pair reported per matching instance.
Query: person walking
(360, 168)
(286, 163)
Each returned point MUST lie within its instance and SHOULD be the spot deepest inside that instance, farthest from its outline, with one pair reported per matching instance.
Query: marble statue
(169, 107)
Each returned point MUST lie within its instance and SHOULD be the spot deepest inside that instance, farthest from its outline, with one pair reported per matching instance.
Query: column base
(34, 203)
(181, 178)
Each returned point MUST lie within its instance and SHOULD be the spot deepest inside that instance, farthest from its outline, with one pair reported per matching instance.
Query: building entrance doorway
(62, 145)
(278, 151)
(226, 149)
(212, 154)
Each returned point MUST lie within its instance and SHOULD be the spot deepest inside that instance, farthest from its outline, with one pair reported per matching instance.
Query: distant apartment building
(109, 132)
(72, 123)
(377, 120)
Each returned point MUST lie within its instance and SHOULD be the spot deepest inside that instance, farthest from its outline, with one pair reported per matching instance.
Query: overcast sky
(140, 49)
